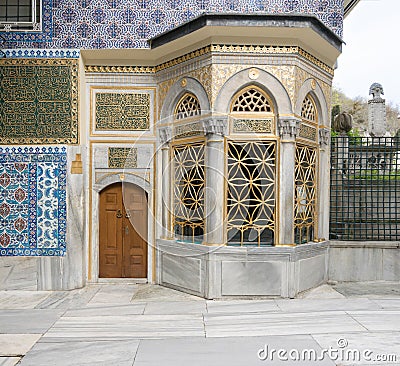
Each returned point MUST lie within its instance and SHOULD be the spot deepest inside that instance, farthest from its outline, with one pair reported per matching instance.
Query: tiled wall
(93, 24)
(32, 201)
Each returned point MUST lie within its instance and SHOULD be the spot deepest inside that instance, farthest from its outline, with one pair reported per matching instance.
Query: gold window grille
(189, 191)
(305, 193)
(251, 193)
(188, 106)
(251, 99)
(308, 110)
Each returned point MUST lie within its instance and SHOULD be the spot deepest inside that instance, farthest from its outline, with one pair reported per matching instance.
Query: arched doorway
(123, 232)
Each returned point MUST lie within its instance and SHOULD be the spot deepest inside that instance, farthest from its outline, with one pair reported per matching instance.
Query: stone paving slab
(385, 344)
(223, 351)
(107, 310)
(245, 325)
(21, 299)
(88, 353)
(9, 361)
(385, 320)
(369, 289)
(176, 307)
(113, 294)
(312, 305)
(123, 327)
(27, 321)
(17, 344)
(242, 306)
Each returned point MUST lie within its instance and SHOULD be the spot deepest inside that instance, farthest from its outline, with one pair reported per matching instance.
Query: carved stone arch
(265, 81)
(311, 87)
(175, 93)
(128, 178)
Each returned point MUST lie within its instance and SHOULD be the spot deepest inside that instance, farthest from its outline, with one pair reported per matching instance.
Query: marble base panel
(220, 272)
(364, 261)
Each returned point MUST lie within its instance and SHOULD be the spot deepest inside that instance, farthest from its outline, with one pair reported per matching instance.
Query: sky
(372, 50)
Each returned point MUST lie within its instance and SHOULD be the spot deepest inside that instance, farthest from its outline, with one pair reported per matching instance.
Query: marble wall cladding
(96, 24)
(33, 210)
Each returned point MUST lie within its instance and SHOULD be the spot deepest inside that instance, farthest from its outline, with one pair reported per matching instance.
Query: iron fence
(365, 189)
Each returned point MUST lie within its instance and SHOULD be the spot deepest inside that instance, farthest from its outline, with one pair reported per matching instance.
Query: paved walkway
(120, 324)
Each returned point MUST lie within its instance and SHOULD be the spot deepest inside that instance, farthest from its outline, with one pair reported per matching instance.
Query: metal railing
(365, 189)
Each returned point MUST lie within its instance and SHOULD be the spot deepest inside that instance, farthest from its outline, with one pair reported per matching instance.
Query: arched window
(188, 106)
(308, 110)
(251, 99)
(306, 158)
(251, 168)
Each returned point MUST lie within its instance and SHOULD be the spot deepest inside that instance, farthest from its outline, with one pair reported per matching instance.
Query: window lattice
(188, 106)
(20, 15)
(251, 193)
(305, 193)
(308, 110)
(251, 100)
(189, 192)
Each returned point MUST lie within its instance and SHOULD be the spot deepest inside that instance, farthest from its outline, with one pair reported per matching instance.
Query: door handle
(128, 215)
(119, 214)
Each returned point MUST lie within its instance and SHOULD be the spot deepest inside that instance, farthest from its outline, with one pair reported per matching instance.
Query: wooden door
(123, 232)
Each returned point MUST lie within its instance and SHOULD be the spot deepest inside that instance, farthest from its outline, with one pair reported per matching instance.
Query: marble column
(165, 135)
(324, 183)
(215, 130)
(288, 129)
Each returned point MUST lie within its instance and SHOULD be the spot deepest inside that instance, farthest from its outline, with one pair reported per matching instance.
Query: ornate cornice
(289, 128)
(324, 136)
(216, 125)
(215, 48)
(165, 134)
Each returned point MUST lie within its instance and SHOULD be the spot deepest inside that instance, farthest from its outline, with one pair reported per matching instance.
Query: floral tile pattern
(32, 201)
(95, 24)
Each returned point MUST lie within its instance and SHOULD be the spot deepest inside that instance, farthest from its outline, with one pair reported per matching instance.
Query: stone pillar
(165, 135)
(288, 129)
(324, 184)
(376, 112)
(215, 130)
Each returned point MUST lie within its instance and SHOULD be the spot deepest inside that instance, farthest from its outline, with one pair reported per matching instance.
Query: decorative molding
(76, 165)
(216, 125)
(41, 53)
(324, 136)
(307, 132)
(289, 127)
(165, 134)
(257, 125)
(39, 101)
(215, 48)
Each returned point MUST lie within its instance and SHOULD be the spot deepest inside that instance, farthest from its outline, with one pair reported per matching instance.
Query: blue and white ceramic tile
(33, 201)
(92, 24)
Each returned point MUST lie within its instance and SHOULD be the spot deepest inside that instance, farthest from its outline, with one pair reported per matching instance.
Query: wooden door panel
(123, 232)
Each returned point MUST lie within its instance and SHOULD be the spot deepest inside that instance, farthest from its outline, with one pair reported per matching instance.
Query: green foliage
(376, 175)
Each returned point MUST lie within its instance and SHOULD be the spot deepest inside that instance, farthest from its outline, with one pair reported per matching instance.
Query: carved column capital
(165, 134)
(324, 137)
(216, 125)
(288, 127)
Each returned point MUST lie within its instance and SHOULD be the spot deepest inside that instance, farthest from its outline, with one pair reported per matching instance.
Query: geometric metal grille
(308, 110)
(251, 193)
(305, 193)
(189, 191)
(188, 106)
(251, 100)
(365, 189)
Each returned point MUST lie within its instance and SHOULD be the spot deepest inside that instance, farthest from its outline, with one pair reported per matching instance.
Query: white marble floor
(145, 325)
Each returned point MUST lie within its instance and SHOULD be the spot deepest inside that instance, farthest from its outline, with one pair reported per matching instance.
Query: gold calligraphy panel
(122, 111)
(38, 101)
(122, 157)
